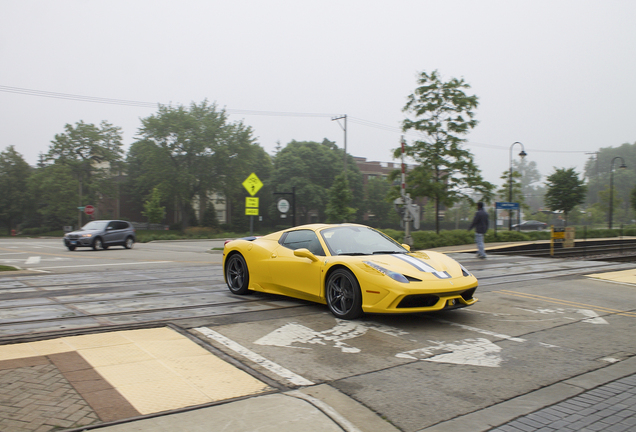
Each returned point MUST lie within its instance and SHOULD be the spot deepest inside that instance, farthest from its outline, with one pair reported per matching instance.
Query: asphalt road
(537, 322)
(50, 256)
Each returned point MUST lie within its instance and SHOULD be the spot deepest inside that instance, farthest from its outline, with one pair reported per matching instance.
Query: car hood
(418, 264)
(80, 232)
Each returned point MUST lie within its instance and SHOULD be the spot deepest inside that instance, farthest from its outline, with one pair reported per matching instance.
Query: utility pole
(344, 116)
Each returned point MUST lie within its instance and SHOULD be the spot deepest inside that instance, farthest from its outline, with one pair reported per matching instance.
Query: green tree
(153, 210)
(93, 156)
(54, 188)
(564, 191)
(338, 210)
(379, 205)
(311, 168)
(441, 112)
(598, 171)
(189, 152)
(14, 199)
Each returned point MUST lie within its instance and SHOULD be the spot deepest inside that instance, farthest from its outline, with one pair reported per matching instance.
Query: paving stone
(36, 398)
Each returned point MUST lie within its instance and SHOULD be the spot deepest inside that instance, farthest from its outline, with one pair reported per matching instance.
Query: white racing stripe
(256, 358)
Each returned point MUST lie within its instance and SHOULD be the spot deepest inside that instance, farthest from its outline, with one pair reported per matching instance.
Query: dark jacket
(480, 222)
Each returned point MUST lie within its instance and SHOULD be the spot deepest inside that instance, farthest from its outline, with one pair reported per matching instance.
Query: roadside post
(568, 240)
(557, 235)
(283, 205)
(509, 206)
(252, 184)
(410, 212)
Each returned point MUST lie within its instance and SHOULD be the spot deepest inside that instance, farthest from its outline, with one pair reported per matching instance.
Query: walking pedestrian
(480, 223)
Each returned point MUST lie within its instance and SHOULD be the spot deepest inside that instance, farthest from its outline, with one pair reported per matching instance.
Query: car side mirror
(407, 247)
(304, 253)
(109, 228)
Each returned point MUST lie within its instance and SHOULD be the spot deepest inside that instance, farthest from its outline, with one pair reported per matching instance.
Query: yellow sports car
(351, 268)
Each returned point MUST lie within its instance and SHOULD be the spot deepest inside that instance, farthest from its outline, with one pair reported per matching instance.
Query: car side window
(121, 225)
(111, 226)
(303, 239)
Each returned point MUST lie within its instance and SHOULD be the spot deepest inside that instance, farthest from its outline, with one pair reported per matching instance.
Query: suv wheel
(98, 244)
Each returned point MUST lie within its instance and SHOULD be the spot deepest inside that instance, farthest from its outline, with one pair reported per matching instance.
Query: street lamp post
(611, 200)
(521, 154)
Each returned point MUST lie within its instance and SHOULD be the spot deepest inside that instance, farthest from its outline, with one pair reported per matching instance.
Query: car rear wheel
(237, 274)
(98, 244)
(344, 298)
(129, 243)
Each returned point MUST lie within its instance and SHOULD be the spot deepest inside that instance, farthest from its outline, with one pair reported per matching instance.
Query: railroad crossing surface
(146, 347)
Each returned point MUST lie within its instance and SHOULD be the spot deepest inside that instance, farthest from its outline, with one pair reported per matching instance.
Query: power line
(141, 104)
(124, 102)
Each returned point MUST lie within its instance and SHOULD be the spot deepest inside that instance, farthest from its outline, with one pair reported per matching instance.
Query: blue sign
(507, 206)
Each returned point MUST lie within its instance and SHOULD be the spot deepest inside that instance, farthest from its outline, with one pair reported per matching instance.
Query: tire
(342, 292)
(128, 244)
(237, 275)
(71, 248)
(98, 244)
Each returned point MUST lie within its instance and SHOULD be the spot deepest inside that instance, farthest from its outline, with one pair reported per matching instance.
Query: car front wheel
(237, 274)
(71, 248)
(344, 298)
(98, 244)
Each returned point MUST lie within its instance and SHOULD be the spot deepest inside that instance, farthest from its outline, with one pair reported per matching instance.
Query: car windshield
(359, 240)
(95, 225)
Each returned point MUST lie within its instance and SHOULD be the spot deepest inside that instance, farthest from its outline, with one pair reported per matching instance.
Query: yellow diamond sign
(253, 184)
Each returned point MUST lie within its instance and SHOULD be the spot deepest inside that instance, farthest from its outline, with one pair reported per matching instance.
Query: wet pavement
(162, 378)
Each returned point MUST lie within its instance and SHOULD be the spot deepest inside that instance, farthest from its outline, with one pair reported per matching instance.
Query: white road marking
(109, 264)
(482, 331)
(474, 352)
(293, 334)
(32, 260)
(592, 317)
(256, 358)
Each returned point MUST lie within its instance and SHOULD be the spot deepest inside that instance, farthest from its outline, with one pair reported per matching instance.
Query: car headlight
(87, 235)
(393, 275)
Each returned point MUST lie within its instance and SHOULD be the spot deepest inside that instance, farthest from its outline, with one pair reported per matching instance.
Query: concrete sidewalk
(159, 380)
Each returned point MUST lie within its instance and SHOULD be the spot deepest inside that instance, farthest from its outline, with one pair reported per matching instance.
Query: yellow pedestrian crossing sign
(252, 184)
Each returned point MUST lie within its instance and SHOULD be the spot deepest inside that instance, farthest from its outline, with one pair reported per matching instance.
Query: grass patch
(7, 268)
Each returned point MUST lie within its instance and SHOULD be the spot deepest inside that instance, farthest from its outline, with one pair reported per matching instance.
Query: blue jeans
(479, 239)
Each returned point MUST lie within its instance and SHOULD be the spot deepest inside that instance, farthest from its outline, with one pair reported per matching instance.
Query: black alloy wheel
(236, 274)
(344, 298)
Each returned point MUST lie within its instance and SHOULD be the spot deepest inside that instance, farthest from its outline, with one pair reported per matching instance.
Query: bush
(36, 231)
(201, 232)
(506, 236)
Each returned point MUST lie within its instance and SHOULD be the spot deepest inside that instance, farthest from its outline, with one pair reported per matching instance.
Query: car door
(297, 276)
(114, 233)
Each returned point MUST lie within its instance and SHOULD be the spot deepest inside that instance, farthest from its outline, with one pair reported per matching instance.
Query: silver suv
(101, 234)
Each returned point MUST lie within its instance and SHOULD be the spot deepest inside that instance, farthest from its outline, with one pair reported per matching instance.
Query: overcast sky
(557, 76)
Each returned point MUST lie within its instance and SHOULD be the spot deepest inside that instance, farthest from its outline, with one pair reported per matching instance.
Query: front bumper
(79, 242)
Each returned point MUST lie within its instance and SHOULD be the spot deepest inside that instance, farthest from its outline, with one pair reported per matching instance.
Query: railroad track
(32, 307)
(601, 250)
